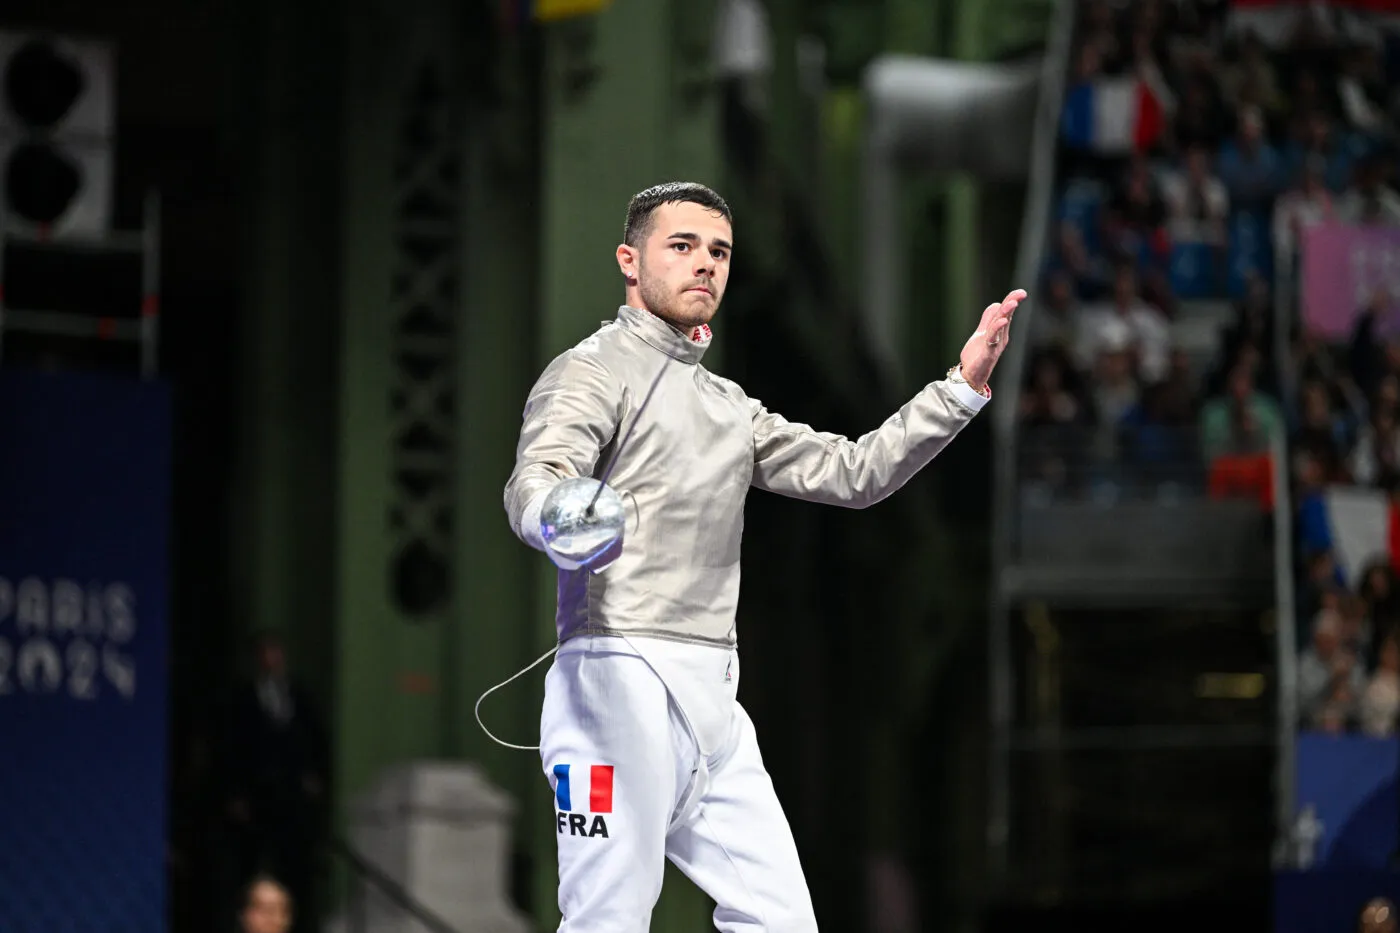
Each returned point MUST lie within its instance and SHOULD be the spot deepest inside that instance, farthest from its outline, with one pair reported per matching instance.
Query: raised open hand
(986, 345)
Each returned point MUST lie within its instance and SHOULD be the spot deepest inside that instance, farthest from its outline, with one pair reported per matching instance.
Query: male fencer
(648, 751)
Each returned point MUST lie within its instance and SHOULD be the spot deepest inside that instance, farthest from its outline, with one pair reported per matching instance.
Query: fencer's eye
(683, 247)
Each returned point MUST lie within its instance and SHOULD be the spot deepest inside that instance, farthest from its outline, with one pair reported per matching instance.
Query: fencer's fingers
(987, 314)
(999, 330)
(1016, 294)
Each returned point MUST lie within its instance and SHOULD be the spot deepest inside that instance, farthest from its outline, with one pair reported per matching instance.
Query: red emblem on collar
(700, 333)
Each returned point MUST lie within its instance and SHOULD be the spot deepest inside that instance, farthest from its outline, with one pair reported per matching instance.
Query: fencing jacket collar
(684, 346)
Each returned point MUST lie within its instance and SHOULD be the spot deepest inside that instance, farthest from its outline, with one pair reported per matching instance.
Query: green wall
(283, 501)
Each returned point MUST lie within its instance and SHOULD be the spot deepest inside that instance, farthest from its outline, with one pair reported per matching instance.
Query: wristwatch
(956, 375)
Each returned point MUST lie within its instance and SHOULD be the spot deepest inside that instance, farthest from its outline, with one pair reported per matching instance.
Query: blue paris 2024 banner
(1346, 832)
(84, 516)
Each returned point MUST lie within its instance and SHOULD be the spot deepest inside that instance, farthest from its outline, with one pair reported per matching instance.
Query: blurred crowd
(1198, 141)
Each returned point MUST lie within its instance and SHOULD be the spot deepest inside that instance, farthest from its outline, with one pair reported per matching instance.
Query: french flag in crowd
(1112, 116)
(1359, 526)
(598, 790)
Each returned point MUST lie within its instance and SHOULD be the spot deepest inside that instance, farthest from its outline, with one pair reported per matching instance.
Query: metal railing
(366, 876)
(1285, 781)
(1030, 254)
(1109, 464)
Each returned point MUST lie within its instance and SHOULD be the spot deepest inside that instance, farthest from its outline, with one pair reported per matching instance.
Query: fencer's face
(267, 910)
(272, 660)
(683, 267)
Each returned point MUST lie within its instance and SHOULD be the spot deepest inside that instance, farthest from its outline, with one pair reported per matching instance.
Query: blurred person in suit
(276, 772)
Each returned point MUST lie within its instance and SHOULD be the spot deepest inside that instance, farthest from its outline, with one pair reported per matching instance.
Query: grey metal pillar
(996, 122)
(925, 115)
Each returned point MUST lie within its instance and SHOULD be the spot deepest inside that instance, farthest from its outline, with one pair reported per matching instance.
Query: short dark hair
(642, 207)
(266, 637)
(260, 879)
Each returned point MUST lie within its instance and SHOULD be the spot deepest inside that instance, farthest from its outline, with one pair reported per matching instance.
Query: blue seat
(1193, 270)
(1251, 250)
(1080, 203)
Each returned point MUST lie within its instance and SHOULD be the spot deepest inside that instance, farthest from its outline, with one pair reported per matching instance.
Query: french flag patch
(599, 788)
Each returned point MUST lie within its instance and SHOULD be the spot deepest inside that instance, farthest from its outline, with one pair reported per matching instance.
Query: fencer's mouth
(700, 288)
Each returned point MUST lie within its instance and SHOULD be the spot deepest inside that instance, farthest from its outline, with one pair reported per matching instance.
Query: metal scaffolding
(141, 245)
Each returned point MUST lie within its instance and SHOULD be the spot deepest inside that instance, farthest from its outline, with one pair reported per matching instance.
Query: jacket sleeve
(795, 460)
(571, 415)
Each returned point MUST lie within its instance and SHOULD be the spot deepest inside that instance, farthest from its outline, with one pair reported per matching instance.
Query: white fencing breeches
(632, 789)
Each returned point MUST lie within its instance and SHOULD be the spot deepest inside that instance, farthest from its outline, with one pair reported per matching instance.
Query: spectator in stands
(1183, 389)
(1250, 167)
(1243, 414)
(1317, 590)
(1382, 598)
(1250, 83)
(1114, 389)
(1201, 118)
(1386, 396)
(1308, 96)
(1314, 137)
(1049, 399)
(1252, 330)
(1245, 436)
(267, 907)
(1095, 47)
(1052, 325)
(1100, 30)
(1115, 392)
(1338, 712)
(1362, 90)
(1381, 701)
(1197, 205)
(1322, 434)
(1312, 358)
(1370, 200)
(1135, 217)
(1128, 324)
(1312, 46)
(1307, 203)
(1377, 452)
(1071, 256)
(1056, 419)
(1356, 633)
(1146, 64)
(1369, 358)
(1197, 23)
(1329, 679)
(1146, 16)
(1088, 60)
(1157, 429)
